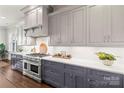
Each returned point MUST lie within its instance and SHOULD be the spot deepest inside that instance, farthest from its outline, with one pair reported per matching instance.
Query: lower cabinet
(74, 77)
(100, 79)
(17, 62)
(52, 73)
(70, 76)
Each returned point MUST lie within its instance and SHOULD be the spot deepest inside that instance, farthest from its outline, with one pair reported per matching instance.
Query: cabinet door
(78, 26)
(69, 80)
(53, 73)
(75, 76)
(54, 30)
(64, 28)
(100, 79)
(97, 25)
(31, 18)
(117, 24)
(73, 80)
(39, 16)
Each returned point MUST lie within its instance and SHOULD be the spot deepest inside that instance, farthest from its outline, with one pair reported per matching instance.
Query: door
(97, 25)
(78, 26)
(100, 79)
(39, 15)
(64, 28)
(31, 18)
(69, 80)
(117, 24)
(54, 30)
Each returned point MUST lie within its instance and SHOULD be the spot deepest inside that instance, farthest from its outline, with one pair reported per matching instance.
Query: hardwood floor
(14, 79)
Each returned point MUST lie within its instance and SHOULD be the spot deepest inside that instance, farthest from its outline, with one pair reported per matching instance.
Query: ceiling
(10, 14)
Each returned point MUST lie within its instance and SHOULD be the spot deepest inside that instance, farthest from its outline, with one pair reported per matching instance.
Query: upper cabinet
(36, 21)
(117, 25)
(97, 25)
(78, 26)
(31, 18)
(69, 28)
(105, 25)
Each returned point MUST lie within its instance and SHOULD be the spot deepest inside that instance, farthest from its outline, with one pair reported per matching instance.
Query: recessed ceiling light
(2, 17)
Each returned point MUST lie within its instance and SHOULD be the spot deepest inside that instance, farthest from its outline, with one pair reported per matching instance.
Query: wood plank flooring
(10, 79)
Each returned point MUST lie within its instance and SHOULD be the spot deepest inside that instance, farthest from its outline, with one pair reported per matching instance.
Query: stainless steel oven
(32, 68)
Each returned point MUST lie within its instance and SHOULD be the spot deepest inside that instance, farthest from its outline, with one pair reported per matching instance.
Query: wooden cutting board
(43, 48)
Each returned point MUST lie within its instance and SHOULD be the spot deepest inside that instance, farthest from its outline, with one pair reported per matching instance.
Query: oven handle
(30, 62)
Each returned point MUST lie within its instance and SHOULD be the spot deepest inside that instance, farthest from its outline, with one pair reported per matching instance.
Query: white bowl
(108, 62)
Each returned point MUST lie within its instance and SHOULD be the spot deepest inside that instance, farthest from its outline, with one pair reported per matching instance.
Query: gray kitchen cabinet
(71, 76)
(78, 26)
(74, 76)
(69, 27)
(31, 18)
(36, 21)
(54, 30)
(117, 25)
(64, 28)
(17, 62)
(40, 16)
(101, 79)
(97, 25)
(52, 73)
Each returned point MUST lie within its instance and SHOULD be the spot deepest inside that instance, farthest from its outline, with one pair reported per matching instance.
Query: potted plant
(107, 59)
(2, 51)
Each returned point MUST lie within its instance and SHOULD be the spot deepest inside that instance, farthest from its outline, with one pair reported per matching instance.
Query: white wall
(3, 33)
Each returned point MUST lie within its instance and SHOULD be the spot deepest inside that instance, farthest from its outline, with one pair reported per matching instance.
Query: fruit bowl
(107, 59)
(108, 62)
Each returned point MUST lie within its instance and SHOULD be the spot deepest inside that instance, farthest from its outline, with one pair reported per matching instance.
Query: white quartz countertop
(117, 67)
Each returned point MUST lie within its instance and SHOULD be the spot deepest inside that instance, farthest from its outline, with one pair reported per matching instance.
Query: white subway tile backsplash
(81, 52)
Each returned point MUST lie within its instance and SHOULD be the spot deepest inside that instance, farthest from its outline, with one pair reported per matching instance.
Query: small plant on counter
(107, 58)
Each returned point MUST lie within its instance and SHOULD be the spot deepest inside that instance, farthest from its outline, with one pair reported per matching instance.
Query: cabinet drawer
(96, 78)
(48, 69)
(104, 74)
(13, 56)
(19, 56)
(74, 68)
(53, 64)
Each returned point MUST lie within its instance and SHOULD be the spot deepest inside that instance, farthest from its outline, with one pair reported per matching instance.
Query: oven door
(35, 69)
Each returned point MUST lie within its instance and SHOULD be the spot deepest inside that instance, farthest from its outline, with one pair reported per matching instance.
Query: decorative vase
(108, 62)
